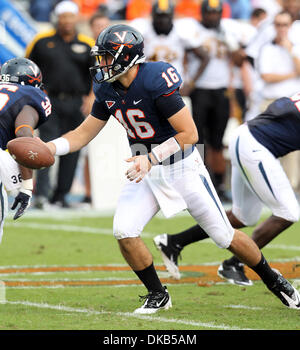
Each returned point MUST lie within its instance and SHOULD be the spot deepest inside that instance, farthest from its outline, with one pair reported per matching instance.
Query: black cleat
(234, 273)
(288, 295)
(169, 254)
(155, 301)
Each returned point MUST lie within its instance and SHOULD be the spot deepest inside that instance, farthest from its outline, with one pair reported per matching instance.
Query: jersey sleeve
(41, 103)
(99, 109)
(162, 79)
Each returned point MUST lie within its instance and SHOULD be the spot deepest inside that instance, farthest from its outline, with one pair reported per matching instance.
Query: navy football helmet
(211, 11)
(21, 71)
(126, 46)
(162, 16)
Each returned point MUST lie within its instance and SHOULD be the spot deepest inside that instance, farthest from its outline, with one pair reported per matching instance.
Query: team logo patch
(78, 48)
(109, 104)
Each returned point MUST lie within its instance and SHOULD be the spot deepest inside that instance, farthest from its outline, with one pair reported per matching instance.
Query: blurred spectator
(258, 15)
(240, 9)
(210, 100)
(279, 62)
(292, 7)
(97, 22)
(63, 56)
(255, 85)
(168, 40)
(279, 67)
(272, 7)
(41, 10)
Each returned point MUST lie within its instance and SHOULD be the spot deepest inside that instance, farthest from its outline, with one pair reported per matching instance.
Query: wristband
(28, 192)
(166, 149)
(62, 146)
(27, 184)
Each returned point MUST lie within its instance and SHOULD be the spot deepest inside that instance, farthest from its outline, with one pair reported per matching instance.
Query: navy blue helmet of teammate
(125, 44)
(162, 16)
(21, 71)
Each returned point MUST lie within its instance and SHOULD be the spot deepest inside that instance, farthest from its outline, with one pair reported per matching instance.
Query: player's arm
(25, 123)
(76, 139)
(202, 54)
(172, 108)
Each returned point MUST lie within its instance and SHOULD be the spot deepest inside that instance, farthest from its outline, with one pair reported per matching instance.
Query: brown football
(30, 152)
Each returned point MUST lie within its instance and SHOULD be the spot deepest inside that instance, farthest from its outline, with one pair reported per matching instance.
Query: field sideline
(63, 271)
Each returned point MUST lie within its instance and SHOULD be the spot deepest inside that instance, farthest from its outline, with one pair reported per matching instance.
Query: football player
(211, 94)
(165, 171)
(257, 180)
(168, 39)
(23, 108)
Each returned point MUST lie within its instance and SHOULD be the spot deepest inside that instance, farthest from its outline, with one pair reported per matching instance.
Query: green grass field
(63, 271)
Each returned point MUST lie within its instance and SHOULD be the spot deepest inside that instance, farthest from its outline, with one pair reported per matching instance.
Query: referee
(63, 56)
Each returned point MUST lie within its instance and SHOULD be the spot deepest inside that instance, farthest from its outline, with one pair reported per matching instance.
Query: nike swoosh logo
(136, 102)
(158, 304)
(292, 303)
(256, 150)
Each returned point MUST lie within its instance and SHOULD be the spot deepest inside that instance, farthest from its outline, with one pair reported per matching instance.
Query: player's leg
(136, 207)
(267, 180)
(216, 126)
(206, 208)
(245, 203)
(3, 208)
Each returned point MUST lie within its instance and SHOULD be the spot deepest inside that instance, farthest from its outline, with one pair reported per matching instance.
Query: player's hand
(141, 166)
(23, 198)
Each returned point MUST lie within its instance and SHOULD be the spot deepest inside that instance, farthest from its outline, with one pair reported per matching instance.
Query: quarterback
(165, 171)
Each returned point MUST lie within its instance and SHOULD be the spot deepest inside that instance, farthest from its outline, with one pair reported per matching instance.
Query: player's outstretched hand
(24, 200)
(141, 166)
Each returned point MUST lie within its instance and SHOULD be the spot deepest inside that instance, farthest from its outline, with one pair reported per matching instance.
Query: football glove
(23, 198)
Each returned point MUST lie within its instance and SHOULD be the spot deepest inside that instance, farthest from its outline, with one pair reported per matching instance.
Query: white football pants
(187, 181)
(10, 181)
(258, 179)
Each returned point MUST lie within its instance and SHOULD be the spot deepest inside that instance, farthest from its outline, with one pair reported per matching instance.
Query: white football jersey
(218, 43)
(169, 48)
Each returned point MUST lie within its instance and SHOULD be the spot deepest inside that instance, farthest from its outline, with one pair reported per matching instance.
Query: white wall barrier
(107, 154)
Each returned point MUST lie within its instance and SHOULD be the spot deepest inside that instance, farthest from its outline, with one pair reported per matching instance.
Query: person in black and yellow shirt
(63, 56)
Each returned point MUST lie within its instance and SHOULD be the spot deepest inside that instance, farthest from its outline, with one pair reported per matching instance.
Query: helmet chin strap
(132, 63)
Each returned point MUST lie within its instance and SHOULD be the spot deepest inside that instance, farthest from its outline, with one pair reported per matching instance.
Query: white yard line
(126, 314)
(66, 228)
(108, 231)
(243, 307)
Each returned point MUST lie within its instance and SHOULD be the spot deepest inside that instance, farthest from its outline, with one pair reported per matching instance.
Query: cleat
(155, 301)
(234, 273)
(288, 295)
(169, 255)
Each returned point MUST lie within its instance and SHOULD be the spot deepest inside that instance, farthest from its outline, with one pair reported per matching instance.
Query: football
(30, 152)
